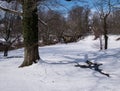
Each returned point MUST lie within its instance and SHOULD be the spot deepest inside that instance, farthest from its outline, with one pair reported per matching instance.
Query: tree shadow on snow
(94, 56)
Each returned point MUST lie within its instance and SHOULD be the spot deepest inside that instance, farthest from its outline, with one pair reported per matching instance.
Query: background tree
(56, 24)
(8, 32)
(114, 24)
(86, 20)
(97, 28)
(104, 8)
(78, 20)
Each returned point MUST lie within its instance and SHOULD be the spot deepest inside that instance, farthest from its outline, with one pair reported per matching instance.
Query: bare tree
(97, 28)
(104, 8)
(7, 32)
(56, 24)
(78, 20)
(114, 24)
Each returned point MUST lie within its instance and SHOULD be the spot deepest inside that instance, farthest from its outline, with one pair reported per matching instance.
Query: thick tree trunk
(30, 33)
(31, 56)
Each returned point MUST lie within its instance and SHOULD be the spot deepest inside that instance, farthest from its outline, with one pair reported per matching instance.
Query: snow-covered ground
(56, 71)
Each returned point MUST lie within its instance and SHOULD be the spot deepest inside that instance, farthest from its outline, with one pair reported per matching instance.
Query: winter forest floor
(56, 70)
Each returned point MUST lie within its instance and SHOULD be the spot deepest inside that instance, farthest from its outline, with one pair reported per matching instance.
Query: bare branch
(15, 39)
(10, 11)
(41, 21)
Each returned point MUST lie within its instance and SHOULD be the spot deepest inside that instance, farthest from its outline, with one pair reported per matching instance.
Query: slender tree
(104, 8)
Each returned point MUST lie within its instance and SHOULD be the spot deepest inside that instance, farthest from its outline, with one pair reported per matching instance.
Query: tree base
(31, 55)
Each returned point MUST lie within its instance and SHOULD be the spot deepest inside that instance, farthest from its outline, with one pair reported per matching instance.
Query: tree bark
(6, 51)
(30, 33)
(105, 33)
(101, 45)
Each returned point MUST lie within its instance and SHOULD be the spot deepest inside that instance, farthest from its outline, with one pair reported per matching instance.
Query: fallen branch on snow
(94, 66)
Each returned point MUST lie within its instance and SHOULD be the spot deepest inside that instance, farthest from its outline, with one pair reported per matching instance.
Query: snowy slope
(56, 71)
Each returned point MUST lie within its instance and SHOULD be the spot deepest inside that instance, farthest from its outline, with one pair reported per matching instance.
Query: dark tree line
(59, 28)
(64, 29)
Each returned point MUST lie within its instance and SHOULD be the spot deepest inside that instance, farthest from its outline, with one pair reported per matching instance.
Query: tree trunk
(105, 33)
(106, 42)
(6, 51)
(30, 33)
(101, 45)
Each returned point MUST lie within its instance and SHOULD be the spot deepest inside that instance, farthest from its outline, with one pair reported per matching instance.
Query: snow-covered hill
(56, 71)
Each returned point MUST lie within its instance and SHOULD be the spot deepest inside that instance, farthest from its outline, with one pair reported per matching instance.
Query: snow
(56, 70)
